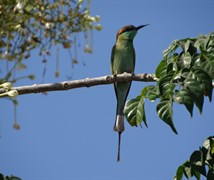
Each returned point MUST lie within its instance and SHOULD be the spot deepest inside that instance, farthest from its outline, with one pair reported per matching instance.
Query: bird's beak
(139, 27)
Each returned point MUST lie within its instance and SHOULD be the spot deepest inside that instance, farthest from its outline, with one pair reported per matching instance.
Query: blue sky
(69, 134)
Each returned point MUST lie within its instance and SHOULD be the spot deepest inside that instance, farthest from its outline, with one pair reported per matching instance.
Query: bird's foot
(133, 74)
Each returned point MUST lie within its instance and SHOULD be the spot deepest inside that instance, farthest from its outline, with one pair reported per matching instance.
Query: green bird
(123, 60)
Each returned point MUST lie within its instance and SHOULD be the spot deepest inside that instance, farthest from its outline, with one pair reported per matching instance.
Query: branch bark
(88, 82)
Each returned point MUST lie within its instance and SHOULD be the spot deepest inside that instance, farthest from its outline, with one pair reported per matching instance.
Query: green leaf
(202, 42)
(196, 174)
(146, 89)
(150, 92)
(135, 112)
(206, 81)
(179, 173)
(187, 170)
(161, 69)
(186, 59)
(1, 177)
(184, 97)
(196, 157)
(170, 49)
(172, 62)
(210, 175)
(153, 94)
(212, 146)
(197, 170)
(207, 143)
(194, 87)
(141, 112)
(166, 86)
(192, 49)
(197, 163)
(164, 110)
(208, 66)
(186, 45)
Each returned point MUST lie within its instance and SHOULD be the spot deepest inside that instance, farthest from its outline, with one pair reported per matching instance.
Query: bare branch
(88, 82)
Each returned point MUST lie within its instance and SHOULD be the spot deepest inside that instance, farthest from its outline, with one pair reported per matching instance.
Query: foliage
(28, 24)
(201, 162)
(184, 76)
(2, 177)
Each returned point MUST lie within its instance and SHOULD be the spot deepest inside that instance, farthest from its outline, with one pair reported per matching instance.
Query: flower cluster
(29, 25)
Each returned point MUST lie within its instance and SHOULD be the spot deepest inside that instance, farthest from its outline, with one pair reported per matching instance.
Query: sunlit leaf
(186, 45)
(195, 88)
(134, 111)
(206, 81)
(187, 170)
(170, 49)
(212, 146)
(208, 66)
(153, 94)
(186, 60)
(166, 86)
(141, 112)
(179, 173)
(161, 69)
(164, 110)
(184, 97)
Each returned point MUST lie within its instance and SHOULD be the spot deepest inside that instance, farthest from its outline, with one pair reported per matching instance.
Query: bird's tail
(119, 127)
(118, 153)
(119, 123)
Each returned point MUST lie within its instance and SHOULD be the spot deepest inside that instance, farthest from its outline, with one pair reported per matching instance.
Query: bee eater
(123, 60)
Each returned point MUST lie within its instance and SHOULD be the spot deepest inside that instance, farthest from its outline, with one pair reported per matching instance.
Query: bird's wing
(134, 58)
(112, 67)
(112, 59)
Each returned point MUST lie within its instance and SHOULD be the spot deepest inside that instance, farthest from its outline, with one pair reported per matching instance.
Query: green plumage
(123, 60)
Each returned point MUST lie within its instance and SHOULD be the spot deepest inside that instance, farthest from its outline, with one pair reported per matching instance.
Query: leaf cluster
(2, 177)
(27, 25)
(201, 162)
(184, 76)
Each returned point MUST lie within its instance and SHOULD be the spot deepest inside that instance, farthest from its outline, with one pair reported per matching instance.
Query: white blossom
(12, 93)
(6, 85)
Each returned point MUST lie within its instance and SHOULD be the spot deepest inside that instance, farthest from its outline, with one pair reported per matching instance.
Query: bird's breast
(124, 58)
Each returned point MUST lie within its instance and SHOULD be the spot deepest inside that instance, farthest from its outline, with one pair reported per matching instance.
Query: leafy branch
(200, 162)
(184, 76)
(2, 177)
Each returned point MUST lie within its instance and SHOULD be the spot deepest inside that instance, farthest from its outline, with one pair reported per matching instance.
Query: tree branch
(88, 82)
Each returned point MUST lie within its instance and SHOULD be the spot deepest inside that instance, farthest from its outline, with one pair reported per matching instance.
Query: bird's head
(128, 32)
